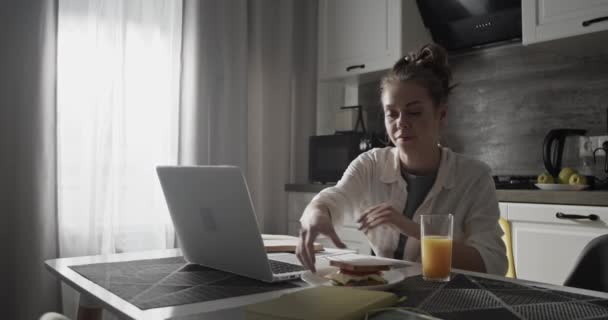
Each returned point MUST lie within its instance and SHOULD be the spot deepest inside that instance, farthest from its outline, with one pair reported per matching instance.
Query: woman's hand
(318, 222)
(384, 213)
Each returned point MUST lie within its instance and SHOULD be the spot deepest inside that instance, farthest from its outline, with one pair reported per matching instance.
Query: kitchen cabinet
(361, 36)
(544, 20)
(545, 247)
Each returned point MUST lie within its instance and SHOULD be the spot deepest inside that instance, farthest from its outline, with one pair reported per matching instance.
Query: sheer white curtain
(118, 69)
(117, 118)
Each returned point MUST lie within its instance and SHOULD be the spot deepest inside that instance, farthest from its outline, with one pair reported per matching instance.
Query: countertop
(580, 198)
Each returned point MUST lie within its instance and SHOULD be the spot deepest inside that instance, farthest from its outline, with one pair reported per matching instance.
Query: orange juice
(436, 257)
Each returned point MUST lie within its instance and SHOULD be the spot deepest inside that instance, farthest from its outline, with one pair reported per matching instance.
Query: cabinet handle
(561, 215)
(358, 66)
(587, 23)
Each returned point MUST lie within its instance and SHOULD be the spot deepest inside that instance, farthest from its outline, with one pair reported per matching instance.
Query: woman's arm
(481, 228)
(317, 221)
(464, 256)
(482, 249)
(328, 207)
(348, 192)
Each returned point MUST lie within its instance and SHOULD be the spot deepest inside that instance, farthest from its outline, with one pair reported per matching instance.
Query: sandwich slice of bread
(358, 273)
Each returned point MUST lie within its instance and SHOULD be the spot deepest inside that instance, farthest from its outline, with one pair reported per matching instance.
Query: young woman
(386, 190)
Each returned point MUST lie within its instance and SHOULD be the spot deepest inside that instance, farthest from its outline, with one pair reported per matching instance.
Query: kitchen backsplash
(508, 98)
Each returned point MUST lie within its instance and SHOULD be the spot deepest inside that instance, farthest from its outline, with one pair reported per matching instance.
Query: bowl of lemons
(567, 180)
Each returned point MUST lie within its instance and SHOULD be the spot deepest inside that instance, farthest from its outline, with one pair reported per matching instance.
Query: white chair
(53, 316)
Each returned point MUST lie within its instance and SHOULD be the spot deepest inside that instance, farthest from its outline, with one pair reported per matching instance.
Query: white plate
(561, 187)
(318, 279)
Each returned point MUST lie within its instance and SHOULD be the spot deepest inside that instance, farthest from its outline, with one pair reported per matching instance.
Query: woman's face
(411, 118)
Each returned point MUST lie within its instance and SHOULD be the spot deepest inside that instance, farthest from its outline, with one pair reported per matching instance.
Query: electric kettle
(553, 148)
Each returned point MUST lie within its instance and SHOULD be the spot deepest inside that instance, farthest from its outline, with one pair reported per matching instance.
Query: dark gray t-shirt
(417, 189)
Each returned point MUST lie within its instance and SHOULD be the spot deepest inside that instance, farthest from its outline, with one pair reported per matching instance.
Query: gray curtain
(213, 104)
(249, 93)
(28, 210)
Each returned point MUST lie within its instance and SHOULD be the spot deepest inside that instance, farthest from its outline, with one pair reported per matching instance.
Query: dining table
(161, 284)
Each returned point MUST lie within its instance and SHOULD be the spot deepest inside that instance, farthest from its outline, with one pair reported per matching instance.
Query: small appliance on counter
(553, 148)
(603, 149)
(514, 182)
(597, 152)
(330, 155)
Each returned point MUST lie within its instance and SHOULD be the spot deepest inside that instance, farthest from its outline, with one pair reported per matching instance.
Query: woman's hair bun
(430, 61)
(433, 57)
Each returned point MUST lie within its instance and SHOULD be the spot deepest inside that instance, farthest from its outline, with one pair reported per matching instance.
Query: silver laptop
(216, 224)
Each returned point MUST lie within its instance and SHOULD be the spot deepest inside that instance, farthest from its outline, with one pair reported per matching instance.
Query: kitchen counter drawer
(544, 213)
(546, 248)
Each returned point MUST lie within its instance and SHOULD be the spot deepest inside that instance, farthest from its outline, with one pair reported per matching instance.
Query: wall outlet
(591, 143)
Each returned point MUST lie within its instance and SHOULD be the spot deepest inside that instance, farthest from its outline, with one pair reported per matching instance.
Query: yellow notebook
(321, 303)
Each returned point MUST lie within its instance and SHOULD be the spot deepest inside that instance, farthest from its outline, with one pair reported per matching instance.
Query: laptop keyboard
(279, 267)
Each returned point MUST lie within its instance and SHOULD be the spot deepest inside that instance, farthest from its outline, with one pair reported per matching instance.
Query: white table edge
(122, 308)
(60, 268)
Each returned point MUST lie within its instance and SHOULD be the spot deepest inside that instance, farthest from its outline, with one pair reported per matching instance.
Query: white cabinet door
(357, 36)
(544, 20)
(545, 247)
(360, 36)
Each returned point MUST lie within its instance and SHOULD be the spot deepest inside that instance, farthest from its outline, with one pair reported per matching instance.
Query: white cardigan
(463, 187)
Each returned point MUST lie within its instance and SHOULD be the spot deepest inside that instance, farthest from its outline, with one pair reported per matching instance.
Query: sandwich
(358, 273)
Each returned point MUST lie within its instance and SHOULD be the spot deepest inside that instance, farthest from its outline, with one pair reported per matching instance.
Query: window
(118, 107)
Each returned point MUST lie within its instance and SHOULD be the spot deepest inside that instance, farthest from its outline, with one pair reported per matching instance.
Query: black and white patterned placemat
(469, 297)
(171, 281)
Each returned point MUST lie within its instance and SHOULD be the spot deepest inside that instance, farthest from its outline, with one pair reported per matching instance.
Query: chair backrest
(591, 269)
(53, 316)
(506, 238)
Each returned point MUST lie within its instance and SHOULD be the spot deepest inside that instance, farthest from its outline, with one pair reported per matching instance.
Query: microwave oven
(330, 155)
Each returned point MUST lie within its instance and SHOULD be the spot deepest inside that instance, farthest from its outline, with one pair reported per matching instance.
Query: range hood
(462, 24)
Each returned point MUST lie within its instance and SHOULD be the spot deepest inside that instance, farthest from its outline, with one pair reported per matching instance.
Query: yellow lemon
(544, 178)
(578, 179)
(564, 175)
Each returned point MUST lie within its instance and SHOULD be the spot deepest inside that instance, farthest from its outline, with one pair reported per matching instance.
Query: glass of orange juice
(436, 246)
